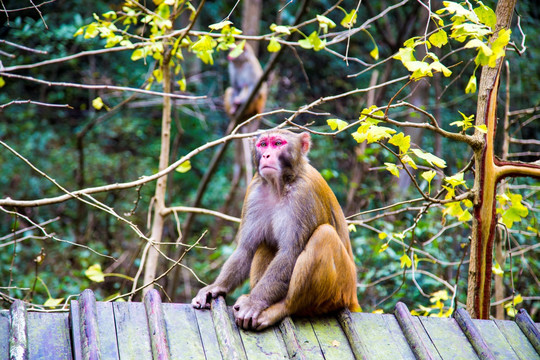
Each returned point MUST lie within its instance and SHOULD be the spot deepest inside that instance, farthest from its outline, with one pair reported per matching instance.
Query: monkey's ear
(305, 141)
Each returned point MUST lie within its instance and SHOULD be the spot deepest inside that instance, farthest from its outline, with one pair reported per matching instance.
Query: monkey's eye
(278, 143)
(263, 144)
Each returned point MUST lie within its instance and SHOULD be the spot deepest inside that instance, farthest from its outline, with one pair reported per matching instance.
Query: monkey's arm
(234, 272)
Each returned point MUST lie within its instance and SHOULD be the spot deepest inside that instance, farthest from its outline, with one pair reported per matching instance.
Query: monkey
(244, 73)
(293, 240)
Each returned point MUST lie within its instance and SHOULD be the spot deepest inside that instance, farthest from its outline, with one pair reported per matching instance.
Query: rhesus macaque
(244, 73)
(293, 240)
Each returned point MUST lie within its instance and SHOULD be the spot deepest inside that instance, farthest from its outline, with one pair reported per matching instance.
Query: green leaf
(430, 158)
(439, 38)
(337, 124)
(401, 141)
(94, 273)
(184, 167)
(394, 170)
(274, 45)
(405, 261)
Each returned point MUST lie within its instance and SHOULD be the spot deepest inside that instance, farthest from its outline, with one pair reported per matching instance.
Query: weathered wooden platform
(152, 330)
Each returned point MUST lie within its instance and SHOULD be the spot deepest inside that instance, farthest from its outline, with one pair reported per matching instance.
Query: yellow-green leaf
(482, 128)
(497, 270)
(405, 261)
(94, 273)
(374, 53)
(325, 23)
(438, 39)
(382, 235)
(394, 170)
(138, 54)
(428, 175)
(51, 303)
(203, 44)
(349, 20)
(401, 141)
(352, 228)
(515, 212)
(383, 247)
(471, 85)
(430, 158)
(456, 180)
(97, 103)
(405, 54)
(184, 167)
(282, 29)
(273, 45)
(337, 124)
(220, 25)
(2, 82)
(486, 15)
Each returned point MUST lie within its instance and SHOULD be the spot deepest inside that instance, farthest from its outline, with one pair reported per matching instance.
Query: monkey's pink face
(269, 149)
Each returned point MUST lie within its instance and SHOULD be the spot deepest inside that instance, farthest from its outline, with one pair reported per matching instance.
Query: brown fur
(293, 242)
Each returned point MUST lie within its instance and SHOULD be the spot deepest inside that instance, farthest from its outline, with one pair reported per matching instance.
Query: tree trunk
(161, 186)
(488, 173)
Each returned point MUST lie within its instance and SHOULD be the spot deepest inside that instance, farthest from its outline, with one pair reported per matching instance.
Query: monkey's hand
(247, 312)
(205, 296)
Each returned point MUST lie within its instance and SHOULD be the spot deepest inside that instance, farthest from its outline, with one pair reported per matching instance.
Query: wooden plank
(229, 340)
(4, 334)
(307, 338)
(156, 326)
(358, 346)
(495, 340)
(472, 333)
(528, 327)
(448, 338)
(517, 340)
(289, 335)
(208, 335)
(332, 339)
(415, 334)
(107, 331)
(132, 331)
(48, 336)
(18, 331)
(184, 336)
(263, 344)
(384, 331)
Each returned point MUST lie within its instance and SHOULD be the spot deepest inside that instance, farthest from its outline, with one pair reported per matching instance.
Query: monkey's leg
(262, 258)
(323, 280)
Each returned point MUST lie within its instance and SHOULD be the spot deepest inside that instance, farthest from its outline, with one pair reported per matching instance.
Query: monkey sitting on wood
(293, 241)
